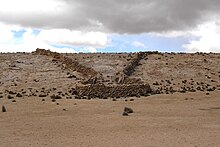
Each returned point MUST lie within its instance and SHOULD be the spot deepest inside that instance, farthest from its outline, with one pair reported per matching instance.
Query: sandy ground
(188, 120)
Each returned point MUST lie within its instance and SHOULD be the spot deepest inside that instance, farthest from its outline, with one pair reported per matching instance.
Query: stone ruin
(68, 62)
(115, 91)
(93, 87)
(123, 77)
(130, 68)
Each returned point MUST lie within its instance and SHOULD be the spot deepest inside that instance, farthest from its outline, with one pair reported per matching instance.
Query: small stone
(55, 97)
(18, 95)
(72, 76)
(10, 97)
(35, 80)
(11, 92)
(3, 109)
(43, 99)
(128, 110)
(125, 114)
(53, 100)
(13, 101)
(42, 95)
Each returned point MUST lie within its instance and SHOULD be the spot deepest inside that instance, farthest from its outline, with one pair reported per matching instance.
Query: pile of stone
(115, 91)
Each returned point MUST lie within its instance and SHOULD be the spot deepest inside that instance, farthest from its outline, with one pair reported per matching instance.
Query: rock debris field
(110, 99)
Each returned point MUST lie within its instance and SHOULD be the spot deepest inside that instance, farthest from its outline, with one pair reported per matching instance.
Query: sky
(110, 25)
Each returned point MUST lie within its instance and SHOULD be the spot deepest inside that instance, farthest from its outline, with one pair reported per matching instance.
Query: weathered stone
(128, 110)
(4, 109)
(125, 114)
(10, 97)
(18, 95)
(55, 97)
(42, 95)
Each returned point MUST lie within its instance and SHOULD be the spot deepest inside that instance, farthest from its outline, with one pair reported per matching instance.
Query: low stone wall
(130, 68)
(69, 63)
(102, 91)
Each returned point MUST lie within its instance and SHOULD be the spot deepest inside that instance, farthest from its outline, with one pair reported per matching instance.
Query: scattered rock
(55, 97)
(11, 92)
(18, 95)
(42, 95)
(13, 101)
(4, 109)
(72, 76)
(35, 80)
(125, 114)
(128, 110)
(10, 97)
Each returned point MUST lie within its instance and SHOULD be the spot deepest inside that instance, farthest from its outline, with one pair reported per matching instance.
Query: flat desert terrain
(51, 99)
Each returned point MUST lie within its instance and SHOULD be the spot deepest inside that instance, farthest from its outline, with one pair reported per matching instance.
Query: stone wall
(103, 91)
(69, 63)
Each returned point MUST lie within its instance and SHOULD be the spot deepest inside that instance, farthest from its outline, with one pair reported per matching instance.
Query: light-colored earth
(190, 119)
(160, 120)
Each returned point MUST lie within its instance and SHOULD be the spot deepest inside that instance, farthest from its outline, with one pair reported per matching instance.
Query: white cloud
(138, 44)
(88, 49)
(30, 40)
(6, 34)
(64, 36)
(205, 38)
(30, 46)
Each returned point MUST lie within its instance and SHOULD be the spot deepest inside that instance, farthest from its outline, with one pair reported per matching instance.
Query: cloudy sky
(110, 25)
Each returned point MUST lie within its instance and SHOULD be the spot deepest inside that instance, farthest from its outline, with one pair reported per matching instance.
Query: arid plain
(78, 99)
